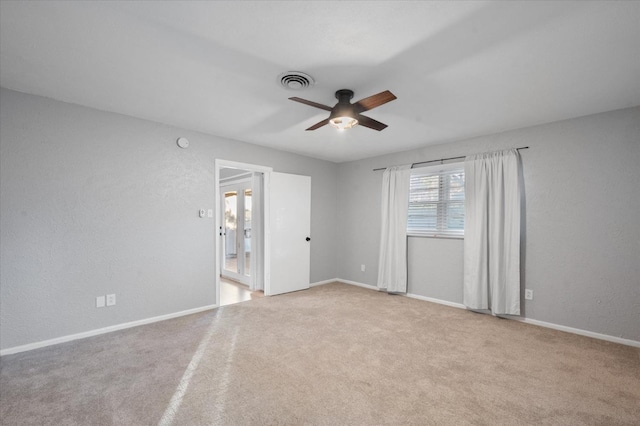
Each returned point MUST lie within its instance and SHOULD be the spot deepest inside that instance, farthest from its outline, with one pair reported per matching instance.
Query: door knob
(308, 239)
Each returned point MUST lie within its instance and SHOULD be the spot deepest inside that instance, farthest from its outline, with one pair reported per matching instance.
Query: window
(436, 201)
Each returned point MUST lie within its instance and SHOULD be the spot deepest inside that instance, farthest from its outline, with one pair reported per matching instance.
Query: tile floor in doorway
(233, 292)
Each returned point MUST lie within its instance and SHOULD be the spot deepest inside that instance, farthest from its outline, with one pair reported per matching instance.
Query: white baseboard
(578, 331)
(90, 333)
(44, 343)
(323, 282)
(581, 332)
(438, 301)
(370, 287)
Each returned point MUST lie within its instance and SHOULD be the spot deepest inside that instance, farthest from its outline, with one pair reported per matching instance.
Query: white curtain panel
(492, 232)
(392, 263)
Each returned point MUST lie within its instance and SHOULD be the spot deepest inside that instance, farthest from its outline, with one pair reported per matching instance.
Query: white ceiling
(459, 69)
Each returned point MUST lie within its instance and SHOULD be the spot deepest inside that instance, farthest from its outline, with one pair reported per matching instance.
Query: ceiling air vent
(295, 80)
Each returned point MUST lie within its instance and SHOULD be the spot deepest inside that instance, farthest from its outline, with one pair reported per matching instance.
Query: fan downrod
(344, 95)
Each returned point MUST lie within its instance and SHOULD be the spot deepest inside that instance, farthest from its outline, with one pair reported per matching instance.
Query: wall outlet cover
(100, 302)
(528, 294)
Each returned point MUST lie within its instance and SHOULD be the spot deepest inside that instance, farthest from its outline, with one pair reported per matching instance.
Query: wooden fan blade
(365, 121)
(374, 101)
(320, 124)
(311, 103)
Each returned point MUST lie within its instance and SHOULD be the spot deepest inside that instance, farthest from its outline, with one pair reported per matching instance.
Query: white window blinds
(436, 201)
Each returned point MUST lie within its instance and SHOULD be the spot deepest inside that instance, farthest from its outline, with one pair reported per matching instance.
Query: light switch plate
(111, 299)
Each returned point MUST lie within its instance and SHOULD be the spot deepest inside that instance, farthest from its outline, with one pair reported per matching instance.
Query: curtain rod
(440, 160)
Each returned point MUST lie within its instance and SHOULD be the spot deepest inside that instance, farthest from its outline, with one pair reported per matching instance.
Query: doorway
(239, 245)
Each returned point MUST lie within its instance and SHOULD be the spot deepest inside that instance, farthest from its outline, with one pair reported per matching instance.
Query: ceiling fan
(345, 115)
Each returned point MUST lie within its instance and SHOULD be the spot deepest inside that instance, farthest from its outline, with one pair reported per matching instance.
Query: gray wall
(582, 248)
(95, 203)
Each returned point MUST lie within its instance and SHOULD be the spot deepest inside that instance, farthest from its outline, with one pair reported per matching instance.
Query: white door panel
(290, 227)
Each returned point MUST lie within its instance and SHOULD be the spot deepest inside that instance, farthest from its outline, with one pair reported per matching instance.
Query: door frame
(266, 171)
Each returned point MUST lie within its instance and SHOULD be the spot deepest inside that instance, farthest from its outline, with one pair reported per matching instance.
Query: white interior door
(290, 227)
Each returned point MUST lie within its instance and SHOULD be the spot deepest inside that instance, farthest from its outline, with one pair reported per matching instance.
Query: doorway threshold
(232, 292)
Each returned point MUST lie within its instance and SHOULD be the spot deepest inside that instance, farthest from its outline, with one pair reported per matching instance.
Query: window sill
(446, 237)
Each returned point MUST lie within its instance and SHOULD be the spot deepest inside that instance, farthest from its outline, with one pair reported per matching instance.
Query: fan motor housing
(343, 108)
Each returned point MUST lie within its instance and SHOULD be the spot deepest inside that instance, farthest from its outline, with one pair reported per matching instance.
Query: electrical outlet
(528, 294)
(111, 299)
(362, 268)
(100, 302)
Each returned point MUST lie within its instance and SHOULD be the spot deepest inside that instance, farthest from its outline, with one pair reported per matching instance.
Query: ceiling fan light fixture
(342, 123)
(345, 115)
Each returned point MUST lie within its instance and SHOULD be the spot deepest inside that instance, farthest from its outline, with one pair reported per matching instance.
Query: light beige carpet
(331, 355)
